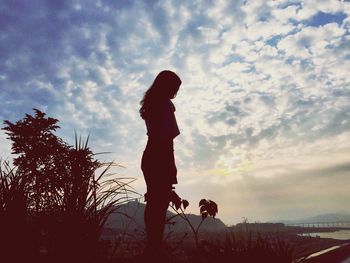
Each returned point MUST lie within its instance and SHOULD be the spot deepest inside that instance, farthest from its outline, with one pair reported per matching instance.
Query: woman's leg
(159, 171)
(157, 202)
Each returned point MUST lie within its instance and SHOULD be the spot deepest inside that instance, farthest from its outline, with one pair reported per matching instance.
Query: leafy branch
(207, 207)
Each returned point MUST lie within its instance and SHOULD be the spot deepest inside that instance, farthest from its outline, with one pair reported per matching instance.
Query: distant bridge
(345, 224)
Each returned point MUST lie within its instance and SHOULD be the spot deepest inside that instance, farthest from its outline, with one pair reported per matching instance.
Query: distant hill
(323, 218)
(130, 217)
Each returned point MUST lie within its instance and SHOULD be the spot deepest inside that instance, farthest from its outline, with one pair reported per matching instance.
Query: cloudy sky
(263, 109)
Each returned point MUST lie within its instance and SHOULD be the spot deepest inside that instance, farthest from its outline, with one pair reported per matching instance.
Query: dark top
(162, 122)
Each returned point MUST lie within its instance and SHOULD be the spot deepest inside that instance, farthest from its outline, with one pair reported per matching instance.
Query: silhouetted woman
(158, 164)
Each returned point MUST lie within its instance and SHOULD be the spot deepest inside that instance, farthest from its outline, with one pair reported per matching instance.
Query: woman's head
(164, 86)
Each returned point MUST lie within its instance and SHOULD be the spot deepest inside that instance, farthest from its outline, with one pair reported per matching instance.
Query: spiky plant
(66, 193)
(87, 200)
(15, 231)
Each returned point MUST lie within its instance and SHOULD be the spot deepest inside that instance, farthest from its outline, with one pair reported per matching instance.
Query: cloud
(264, 85)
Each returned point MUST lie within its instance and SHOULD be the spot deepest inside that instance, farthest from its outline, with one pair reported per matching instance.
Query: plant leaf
(185, 203)
(202, 202)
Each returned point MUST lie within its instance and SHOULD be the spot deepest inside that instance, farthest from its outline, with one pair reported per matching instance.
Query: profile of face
(167, 83)
(173, 90)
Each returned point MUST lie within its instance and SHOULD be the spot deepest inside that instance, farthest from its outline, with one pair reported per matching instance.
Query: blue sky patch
(322, 18)
(286, 4)
(273, 41)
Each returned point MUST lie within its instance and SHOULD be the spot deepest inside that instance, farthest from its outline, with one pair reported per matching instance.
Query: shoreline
(307, 246)
(337, 255)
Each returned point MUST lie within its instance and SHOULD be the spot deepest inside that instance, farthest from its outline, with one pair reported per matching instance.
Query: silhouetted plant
(249, 247)
(246, 247)
(13, 215)
(41, 156)
(207, 207)
(13, 193)
(243, 246)
(88, 200)
(65, 191)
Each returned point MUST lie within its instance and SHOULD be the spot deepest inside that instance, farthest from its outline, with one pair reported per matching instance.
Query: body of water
(341, 234)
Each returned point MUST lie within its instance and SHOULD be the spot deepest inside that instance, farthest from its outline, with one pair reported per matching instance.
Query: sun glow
(236, 162)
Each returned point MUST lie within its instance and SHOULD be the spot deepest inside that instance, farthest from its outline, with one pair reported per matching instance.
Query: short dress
(158, 162)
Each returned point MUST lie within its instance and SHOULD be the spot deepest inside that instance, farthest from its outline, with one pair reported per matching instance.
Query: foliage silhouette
(59, 193)
(246, 247)
(207, 207)
(13, 214)
(42, 156)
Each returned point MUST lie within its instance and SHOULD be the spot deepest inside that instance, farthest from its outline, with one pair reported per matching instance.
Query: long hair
(164, 86)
